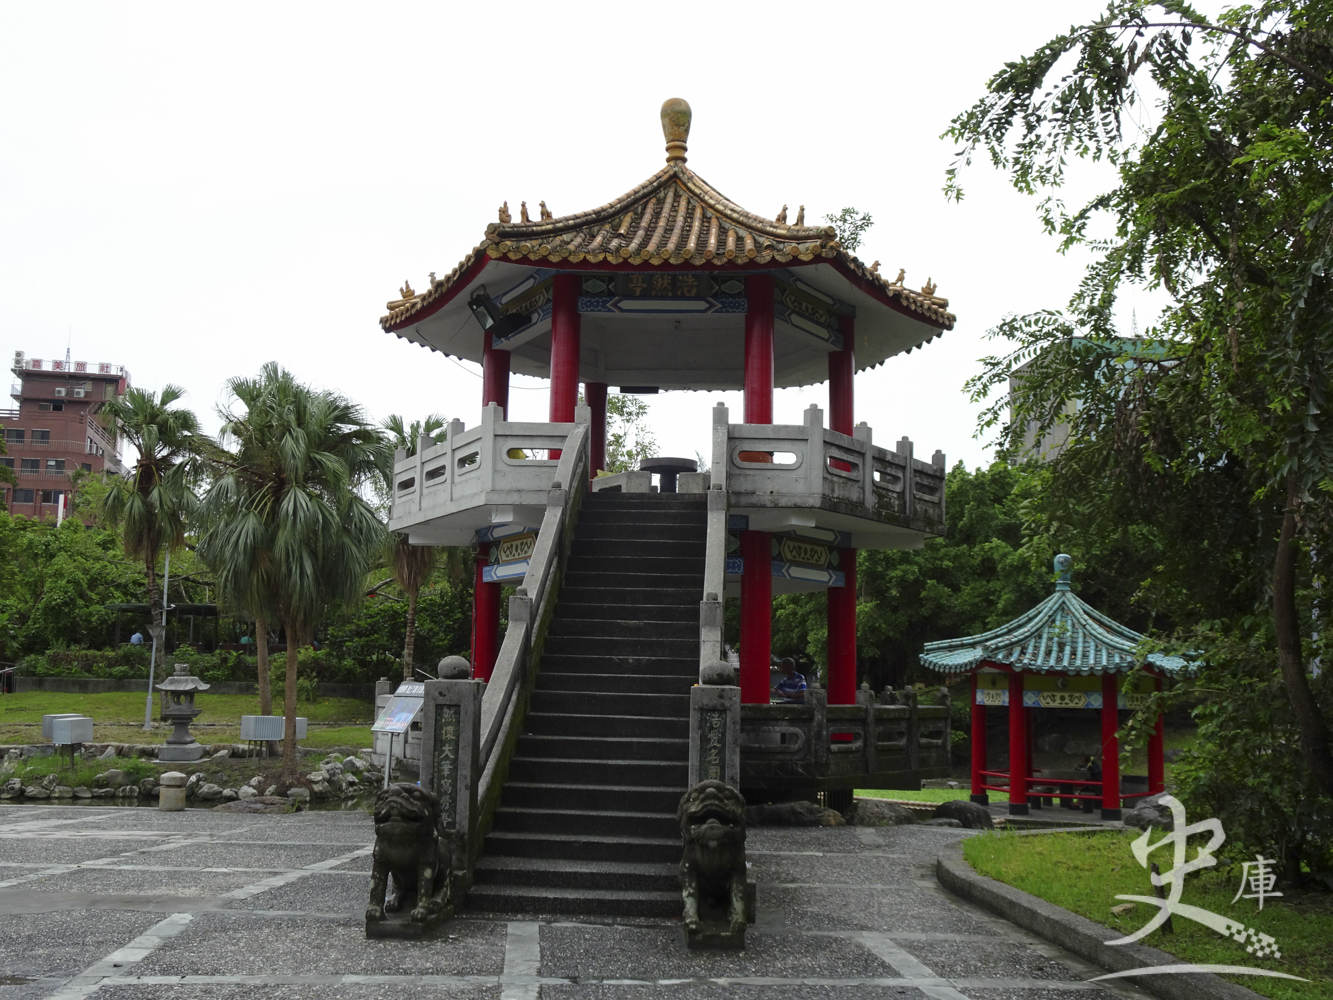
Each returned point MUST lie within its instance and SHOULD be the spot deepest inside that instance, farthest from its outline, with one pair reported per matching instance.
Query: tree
(1214, 423)
(851, 226)
(412, 564)
(6, 471)
(150, 507)
(628, 439)
(287, 530)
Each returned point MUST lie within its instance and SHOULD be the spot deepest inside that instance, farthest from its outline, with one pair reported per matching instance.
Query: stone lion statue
(411, 845)
(712, 869)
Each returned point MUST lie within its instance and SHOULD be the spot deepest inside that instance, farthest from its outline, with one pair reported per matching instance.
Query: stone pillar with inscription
(450, 751)
(715, 727)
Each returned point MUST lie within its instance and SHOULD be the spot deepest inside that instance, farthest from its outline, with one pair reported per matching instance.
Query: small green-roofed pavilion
(1062, 654)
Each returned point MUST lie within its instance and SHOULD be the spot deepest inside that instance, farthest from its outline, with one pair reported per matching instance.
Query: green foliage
(628, 439)
(372, 637)
(851, 226)
(123, 663)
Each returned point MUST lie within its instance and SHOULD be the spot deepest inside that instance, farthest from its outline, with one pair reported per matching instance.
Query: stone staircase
(586, 823)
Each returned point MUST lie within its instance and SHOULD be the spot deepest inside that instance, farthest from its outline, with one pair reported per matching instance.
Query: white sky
(196, 189)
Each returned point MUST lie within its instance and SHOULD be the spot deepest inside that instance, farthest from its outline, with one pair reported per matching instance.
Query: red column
(1110, 748)
(1018, 748)
(564, 350)
(978, 747)
(756, 546)
(595, 395)
(756, 616)
(841, 366)
(485, 619)
(1156, 758)
(1031, 763)
(494, 376)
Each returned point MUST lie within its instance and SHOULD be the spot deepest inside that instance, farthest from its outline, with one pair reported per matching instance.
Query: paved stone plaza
(128, 903)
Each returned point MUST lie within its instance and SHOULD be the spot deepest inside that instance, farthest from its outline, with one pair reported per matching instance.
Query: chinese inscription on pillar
(446, 762)
(712, 745)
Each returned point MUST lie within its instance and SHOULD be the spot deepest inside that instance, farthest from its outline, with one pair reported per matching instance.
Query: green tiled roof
(1062, 634)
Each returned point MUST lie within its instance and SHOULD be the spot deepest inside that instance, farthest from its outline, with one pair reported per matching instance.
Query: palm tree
(150, 507)
(288, 532)
(412, 564)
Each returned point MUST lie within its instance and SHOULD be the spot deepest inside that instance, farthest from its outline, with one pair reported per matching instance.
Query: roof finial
(676, 115)
(1063, 565)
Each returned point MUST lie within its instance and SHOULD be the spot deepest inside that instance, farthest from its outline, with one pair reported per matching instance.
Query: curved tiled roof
(1062, 634)
(674, 219)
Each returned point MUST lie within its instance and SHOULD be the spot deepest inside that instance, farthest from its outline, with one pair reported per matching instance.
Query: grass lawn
(118, 717)
(927, 794)
(1084, 873)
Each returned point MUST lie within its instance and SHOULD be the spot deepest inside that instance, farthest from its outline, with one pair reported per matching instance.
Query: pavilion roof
(675, 218)
(673, 222)
(1063, 635)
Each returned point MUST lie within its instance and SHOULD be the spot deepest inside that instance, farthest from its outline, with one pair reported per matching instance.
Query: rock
(246, 792)
(943, 822)
(35, 792)
(1123, 908)
(50, 782)
(1076, 749)
(1145, 817)
(354, 764)
(192, 785)
(319, 790)
(333, 768)
(877, 812)
(108, 752)
(296, 793)
(1172, 755)
(257, 804)
(113, 778)
(230, 795)
(62, 792)
(792, 814)
(969, 814)
(14, 786)
(953, 785)
(208, 792)
(147, 785)
(103, 793)
(82, 792)
(270, 790)
(224, 752)
(256, 783)
(316, 776)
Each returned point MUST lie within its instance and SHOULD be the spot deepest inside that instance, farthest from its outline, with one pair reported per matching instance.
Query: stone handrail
(715, 555)
(475, 465)
(529, 612)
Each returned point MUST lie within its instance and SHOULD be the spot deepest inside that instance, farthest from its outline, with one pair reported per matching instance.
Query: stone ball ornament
(719, 673)
(453, 668)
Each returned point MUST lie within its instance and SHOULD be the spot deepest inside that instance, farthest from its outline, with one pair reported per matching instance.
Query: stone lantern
(180, 710)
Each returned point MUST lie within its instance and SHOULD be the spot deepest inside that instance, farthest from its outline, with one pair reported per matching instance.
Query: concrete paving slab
(727, 991)
(324, 894)
(846, 909)
(653, 953)
(50, 945)
(140, 882)
(297, 991)
(255, 857)
(231, 943)
(1002, 960)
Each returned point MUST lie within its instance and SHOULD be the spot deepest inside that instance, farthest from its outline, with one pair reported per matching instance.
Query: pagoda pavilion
(619, 587)
(673, 286)
(1061, 654)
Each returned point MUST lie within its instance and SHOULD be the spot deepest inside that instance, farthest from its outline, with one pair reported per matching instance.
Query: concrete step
(590, 798)
(596, 593)
(641, 876)
(622, 823)
(640, 726)
(651, 502)
(629, 749)
(549, 680)
(574, 662)
(695, 532)
(638, 773)
(612, 703)
(635, 584)
(550, 899)
(657, 567)
(620, 646)
(597, 515)
(583, 847)
(628, 626)
(581, 610)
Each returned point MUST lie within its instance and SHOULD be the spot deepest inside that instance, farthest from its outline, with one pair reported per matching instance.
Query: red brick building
(56, 429)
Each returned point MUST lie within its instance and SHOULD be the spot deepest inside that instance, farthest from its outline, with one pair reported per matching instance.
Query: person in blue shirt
(791, 686)
(136, 639)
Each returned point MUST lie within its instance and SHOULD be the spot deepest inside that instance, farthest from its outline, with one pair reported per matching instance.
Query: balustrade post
(913, 730)
(451, 762)
(817, 699)
(715, 728)
(866, 700)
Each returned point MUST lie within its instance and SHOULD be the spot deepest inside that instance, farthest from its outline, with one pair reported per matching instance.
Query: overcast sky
(194, 189)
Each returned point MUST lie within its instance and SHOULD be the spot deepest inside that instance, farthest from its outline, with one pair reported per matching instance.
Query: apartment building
(57, 428)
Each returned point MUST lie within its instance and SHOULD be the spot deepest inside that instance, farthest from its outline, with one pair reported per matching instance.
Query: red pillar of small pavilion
(1018, 747)
(594, 394)
(842, 600)
(486, 596)
(1157, 753)
(564, 350)
(978, 746)
(1110, 748)
(756, 546)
